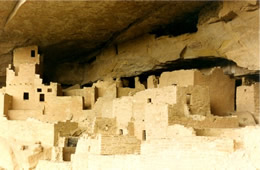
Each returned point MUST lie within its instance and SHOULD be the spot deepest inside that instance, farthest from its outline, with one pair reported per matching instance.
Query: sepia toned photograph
(129, 85)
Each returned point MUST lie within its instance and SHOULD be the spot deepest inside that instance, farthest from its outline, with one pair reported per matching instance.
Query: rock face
(225, 30)
(65, 30)
(92, 40)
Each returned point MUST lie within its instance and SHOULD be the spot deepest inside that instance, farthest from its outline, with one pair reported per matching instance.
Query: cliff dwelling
(129, 85)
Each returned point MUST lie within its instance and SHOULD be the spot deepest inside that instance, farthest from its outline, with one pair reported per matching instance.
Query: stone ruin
(177, 120)
(128, 85)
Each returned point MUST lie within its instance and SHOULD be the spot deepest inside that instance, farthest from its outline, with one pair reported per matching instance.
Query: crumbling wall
(221, 87)
(88, 95)
(180, 78)
(105, 126)
(192, 100)
(247, 100)
(106, 91)
(158, 95)
(152, 82)
(125, 91)
(221, 90)
(201, 122)
(5, 104)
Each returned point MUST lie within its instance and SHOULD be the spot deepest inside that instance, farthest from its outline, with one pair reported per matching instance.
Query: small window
(116, 48)
(32, 53)
(39, 90)
(149, 100)
(49, 90)
(121, 132)
(188, 99)
(25, 96)
(41, 97)
(144, 135)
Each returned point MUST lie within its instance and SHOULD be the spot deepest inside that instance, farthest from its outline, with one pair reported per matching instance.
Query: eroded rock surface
(65, 30)
(226, 30)
(93, 43)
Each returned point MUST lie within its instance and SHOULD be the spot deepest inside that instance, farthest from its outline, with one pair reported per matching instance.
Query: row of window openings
(40, 90)
(26, 97)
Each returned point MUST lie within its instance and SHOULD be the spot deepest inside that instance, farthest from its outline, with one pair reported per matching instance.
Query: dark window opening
(39, 90)
(49, 90)
(116, 49)
(32, 53)
(143, 80)
(149, 100)
(41, 97)
(144, 135)
(72, 142)
(128, 82)
(25, 96)
(121, 132)
(238, 82)
(188, 99)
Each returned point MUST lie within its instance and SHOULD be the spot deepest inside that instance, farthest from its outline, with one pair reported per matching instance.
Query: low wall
(24, 114)
(115, 145)
(207, 122)
(108, 145)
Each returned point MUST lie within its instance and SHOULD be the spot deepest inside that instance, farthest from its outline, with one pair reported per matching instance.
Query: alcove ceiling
(65, 30)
